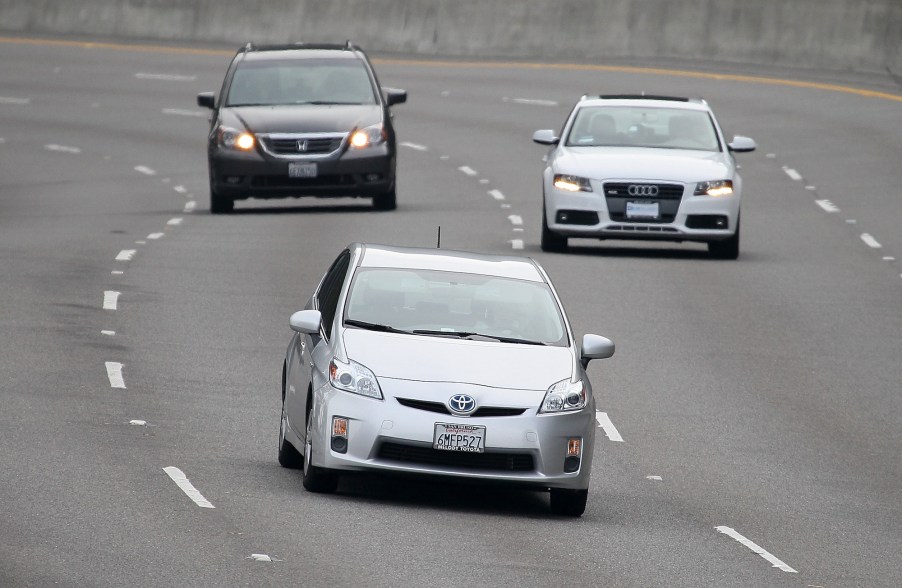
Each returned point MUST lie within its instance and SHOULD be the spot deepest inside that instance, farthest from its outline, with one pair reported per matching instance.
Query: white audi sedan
(440, 363)
(642, 167)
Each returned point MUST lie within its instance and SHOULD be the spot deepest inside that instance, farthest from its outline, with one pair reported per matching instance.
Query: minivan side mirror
(206, 99)
(595, 347)
(306, 322)
(545, 137)
(394, 96)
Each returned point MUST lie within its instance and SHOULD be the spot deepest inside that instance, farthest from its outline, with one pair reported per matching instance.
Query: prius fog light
(574, 451)
(339, 435)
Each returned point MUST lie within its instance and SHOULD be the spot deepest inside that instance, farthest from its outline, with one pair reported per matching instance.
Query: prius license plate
(302, 170)
(470, 438)
(643, 210)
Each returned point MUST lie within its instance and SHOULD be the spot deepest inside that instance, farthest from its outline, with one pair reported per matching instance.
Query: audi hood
(676, 165)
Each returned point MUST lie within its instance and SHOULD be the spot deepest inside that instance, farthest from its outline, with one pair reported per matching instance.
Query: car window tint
(300, 81)
(330, 290)
(631, 126)
(410, 299)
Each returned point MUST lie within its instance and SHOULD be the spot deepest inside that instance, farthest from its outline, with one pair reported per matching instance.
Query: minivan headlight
(564, 396)
(355, 378)
(231, 138)
(368, 136)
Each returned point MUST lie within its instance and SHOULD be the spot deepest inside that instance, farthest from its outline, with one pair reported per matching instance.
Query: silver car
(436, 362)
(642, 167)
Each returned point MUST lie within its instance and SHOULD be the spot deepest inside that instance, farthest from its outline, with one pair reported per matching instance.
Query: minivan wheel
(568, 503)
(316, 479)
(386, 201)
(220, 204)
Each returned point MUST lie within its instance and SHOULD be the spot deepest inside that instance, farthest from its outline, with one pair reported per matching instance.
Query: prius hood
(303, 118)
(440, 359)
(675, 165)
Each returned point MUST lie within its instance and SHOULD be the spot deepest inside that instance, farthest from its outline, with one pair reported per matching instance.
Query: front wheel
(726, 249)
(568, 503)
(386, 201)
(288, 455)
(316, 479)
(551, 241)
(220, 204)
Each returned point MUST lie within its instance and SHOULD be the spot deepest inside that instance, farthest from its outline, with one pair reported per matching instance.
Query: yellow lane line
(496, 65)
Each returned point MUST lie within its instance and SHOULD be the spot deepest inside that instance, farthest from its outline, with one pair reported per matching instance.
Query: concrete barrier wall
(858, 35)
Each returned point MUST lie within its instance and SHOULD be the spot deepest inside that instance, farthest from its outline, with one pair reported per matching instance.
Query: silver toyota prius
(444, 363)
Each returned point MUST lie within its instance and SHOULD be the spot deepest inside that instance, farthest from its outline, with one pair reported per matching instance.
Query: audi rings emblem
(462, 403)
(642, 190)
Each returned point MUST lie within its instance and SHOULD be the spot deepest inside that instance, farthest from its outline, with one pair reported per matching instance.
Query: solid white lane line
(165, 77)
(517, 243)
(496, 194)
(181, 480)
(531, 101)
(609, 429)
(143, 169)
(108, 333)
(174, 221)
(183, 112)
(515, 219)
(110, 299)
(155, 236)
(126, 255)
(414, 146)
(730, 532)
(793, 174)
(870, 241)
(61, 148)
(827, 205)
(468, 170)
(114, 373)
(11, 100)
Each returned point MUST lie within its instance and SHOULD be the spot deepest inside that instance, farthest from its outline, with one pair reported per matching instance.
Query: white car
(642, 167)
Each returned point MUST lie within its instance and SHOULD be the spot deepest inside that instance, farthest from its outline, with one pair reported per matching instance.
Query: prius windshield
(452, 304)
(634, 126)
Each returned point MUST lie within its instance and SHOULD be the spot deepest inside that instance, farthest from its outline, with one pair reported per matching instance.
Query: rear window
(628, 126)
(301, 81)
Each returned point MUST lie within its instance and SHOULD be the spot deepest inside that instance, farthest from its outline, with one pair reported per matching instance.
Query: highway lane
(762, 393)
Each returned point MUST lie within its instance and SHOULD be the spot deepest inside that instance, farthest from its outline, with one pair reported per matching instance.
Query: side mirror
(741, 144)
(546, 137)
(393, 96)
(206, 99)
(595, 347)
(306, 322)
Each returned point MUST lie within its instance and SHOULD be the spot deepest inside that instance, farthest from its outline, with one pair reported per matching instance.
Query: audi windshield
(630, 126)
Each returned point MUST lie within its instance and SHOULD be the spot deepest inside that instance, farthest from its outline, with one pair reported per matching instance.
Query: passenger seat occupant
(603, 129)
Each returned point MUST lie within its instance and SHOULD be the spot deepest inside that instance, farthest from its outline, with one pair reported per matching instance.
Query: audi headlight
(564, 397)
(355, 378)
(572, 183)
(368, 136)
(231, 138)
(714, 188)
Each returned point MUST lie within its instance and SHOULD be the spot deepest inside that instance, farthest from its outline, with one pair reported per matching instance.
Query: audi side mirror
(741, 144)
(546, 137)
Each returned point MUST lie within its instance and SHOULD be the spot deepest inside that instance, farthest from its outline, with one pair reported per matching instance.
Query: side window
(329, 292)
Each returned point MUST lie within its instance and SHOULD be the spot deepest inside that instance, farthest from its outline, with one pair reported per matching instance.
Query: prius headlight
(564, 397)
(368, 136)
(571, 183)
(355, 378)
(714, 188)
(231, 138)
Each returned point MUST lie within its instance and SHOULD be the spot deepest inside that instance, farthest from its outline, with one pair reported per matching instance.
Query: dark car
(301, 120)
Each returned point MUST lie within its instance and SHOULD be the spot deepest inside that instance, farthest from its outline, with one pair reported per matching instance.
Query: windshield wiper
(374, 326)
(476, 336)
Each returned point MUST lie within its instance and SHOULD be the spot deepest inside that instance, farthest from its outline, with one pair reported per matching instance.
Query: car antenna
(438, 243)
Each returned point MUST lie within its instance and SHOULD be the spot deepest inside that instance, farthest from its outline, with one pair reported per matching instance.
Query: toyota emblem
(462, 403)
(649, 190)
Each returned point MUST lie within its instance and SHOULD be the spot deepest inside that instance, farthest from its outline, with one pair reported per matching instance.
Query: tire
(551, 242)
(386, 201)
(726, 249)
(316, 479)
(568, 503)
(220, 204)
(288, 455)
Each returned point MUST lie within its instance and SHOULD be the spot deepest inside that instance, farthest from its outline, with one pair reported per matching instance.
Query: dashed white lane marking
(110, 299)
(259, 557)
(180, 189)
(771, 155)
(870, 241)
(605, 423)
(189, 206)
(654, 478)
(518, 229)
(117, 272)
(108, 333)
(140, 242)
(483, 181)
(517, 243)
(730, 532)
(827, 205)
(793, 174)
(811, 188)
(505, 206)
(414, 146)
(2, 140)
(114, 373)
(515, 219)
(496, 194)
(137, 423)
(143, 169)
(889, 258)
(174, 221)
(183, 112)
(468, 170)
(531, 101)
(12, 100)
(154, 236)
(851, 221)
(181, 480)
(61, 148)
(126, 255)
(165, 77)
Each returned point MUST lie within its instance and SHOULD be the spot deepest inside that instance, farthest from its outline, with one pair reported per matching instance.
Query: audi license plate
(302, 170)
(643, 210)
(450, 437)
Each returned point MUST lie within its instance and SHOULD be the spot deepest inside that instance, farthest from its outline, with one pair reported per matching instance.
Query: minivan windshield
(300, 81)
(439, 303)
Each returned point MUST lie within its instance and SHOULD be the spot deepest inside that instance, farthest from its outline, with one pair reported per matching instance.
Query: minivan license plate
(450, 437)
(302, 170)
(640, 210)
